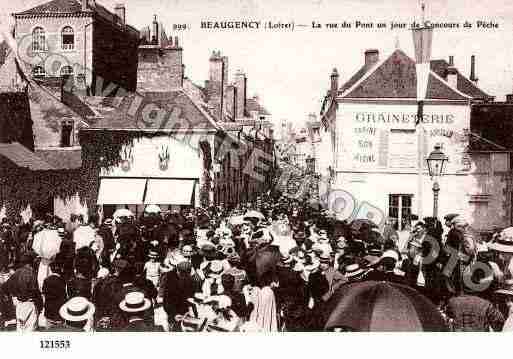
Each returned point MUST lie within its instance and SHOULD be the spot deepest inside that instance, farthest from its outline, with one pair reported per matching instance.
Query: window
(66, 71)
(39, 72)
(66, 130)
(38, 39)
(68, 38)
(399, 209)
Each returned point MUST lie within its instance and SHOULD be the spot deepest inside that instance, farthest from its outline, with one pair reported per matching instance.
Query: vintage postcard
(254, 166)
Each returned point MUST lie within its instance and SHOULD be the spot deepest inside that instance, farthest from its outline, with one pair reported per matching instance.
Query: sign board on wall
(377, 137)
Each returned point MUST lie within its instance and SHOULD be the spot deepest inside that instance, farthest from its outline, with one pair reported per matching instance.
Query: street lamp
(436, 162)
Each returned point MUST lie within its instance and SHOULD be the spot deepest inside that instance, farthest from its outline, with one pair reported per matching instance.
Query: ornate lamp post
(436, 162)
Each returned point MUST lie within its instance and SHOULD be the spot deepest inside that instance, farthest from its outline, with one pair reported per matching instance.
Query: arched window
(68, 38)
(38, 39)
(38, 71)
(66, 71)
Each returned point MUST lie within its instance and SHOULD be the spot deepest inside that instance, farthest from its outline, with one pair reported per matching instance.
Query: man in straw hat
(77, 314)
(135, 306)
(506, 294)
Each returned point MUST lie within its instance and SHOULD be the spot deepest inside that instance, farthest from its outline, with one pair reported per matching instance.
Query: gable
(396, 78)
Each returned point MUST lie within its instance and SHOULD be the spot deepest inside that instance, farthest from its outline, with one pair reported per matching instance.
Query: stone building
(372, 120)
(170, 143)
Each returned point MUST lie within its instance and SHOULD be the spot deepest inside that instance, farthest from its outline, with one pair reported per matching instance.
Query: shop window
(38, 39)
(68, 38)
(399, 209)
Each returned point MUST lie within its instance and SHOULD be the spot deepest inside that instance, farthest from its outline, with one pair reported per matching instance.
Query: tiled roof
(252, 104)
(61, 158)
(354, 79)
(464, 84)
(54, 6)
(22, 157)
(493, 122)
(396, 78)
(180, 112)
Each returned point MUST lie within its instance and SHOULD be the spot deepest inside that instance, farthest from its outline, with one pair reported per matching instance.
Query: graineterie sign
(384, 137)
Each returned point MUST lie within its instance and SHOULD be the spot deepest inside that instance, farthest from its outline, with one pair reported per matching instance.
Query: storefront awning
(121, 190)
(169, 191)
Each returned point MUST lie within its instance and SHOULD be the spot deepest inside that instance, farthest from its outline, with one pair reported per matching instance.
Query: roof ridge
(203, 112)
(370, 71)
(449, 85)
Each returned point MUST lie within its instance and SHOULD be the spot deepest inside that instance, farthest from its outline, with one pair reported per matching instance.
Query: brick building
(80, 38)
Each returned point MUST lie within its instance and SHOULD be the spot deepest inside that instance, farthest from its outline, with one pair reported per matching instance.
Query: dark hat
(450, 216)
(208, 249)
(299, 235)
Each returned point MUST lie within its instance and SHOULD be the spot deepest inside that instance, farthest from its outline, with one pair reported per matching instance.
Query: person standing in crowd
(77, 314)
(84, 234)
(265, 310)
(179, 288)
(54, 293)
(24, 289)
(470, 313)
(135, 305)
(152, 268)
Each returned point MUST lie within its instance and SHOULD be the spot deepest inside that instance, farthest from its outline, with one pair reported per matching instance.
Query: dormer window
(38, 39)
(68, 38)
(66, 132)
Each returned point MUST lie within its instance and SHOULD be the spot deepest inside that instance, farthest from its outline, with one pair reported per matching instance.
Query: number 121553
(55, 344)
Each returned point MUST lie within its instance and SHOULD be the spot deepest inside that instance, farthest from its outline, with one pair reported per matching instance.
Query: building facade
(81, 39)
(379, 147)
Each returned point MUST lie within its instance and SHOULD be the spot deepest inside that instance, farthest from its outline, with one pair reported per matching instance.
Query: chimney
(176, 44)
(84, 5)
(120, 11)
(334, 81)
(473, 77)
(371, 57)
(452, 77)
(241, 85)
(451, 60)
(155, 31)
(231, 100)
(215, 84)
(164, 60)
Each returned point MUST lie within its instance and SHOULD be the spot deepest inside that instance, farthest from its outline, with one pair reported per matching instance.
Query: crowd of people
(272, 265)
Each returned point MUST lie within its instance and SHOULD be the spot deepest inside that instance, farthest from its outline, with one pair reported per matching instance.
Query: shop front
(159, 170)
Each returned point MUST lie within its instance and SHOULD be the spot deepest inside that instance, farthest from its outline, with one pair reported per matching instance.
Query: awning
(121, 190)
(170, 191)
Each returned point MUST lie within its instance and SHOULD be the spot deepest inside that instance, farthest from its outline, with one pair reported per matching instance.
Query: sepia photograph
(249, 166)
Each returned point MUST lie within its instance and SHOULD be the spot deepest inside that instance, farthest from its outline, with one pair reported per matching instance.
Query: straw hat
(134, 302)
(77, 309)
